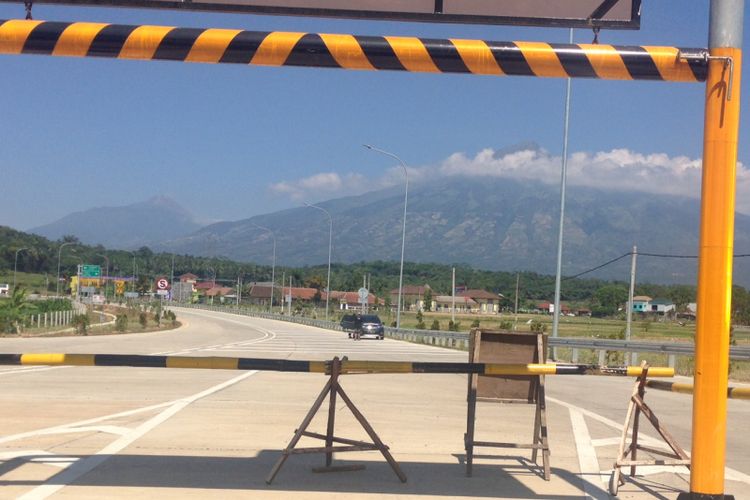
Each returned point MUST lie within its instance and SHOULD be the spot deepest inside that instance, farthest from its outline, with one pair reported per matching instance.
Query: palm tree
(14, 311)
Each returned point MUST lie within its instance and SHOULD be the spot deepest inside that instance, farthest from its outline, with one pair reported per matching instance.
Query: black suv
(365, 325)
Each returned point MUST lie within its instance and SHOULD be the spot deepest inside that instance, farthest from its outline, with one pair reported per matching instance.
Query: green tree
(608, 299)
(427, 300)
(14, 311)
(435, 325)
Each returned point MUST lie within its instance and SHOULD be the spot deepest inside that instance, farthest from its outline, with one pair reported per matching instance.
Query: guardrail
(460, 341)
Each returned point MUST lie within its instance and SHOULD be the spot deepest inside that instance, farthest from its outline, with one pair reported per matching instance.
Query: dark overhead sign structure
(560, 13)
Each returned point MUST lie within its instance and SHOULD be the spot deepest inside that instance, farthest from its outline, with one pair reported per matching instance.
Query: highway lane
(80, 432)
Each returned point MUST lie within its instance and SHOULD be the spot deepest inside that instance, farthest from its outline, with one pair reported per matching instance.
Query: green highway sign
(91, 271)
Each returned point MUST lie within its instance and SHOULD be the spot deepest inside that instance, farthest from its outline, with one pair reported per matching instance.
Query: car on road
(365, 325)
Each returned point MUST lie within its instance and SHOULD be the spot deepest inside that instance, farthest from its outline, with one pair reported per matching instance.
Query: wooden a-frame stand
(332, 389)
(533, 392)
(627, 455)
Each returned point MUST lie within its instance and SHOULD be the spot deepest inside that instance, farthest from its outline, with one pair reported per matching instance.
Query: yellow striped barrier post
(661, 385)
(345, 51)
(346, 366)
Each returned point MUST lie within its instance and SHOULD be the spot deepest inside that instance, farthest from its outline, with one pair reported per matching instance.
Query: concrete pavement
(93, 432)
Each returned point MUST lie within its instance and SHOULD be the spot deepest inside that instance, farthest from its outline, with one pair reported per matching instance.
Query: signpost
(91, 271)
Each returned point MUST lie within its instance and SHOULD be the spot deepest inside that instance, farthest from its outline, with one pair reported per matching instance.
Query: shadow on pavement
(249, 473)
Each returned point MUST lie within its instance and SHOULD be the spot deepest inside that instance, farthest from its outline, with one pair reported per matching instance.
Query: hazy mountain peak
(143, 223)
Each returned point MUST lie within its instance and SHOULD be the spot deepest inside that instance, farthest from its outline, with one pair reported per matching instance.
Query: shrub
(475, 323)
(420, 321)
(537, 326)
(454, 326)
(170, 315)
(506, 325)
(81, 323)
(121, 323)
(143, 319)
(435, 325)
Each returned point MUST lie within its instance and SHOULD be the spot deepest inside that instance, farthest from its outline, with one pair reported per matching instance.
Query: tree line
(604, 297)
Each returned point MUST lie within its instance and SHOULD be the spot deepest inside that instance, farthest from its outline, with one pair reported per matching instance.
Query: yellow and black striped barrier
(352, 51)
(347, 366)
(732, 392)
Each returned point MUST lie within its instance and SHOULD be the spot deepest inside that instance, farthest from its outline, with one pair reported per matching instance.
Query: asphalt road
(98, 432)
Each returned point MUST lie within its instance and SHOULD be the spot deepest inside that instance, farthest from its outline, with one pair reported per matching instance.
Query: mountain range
(127, 227)
(488, 223)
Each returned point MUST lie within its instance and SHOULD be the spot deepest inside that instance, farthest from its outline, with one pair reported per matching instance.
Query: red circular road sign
(162, 284)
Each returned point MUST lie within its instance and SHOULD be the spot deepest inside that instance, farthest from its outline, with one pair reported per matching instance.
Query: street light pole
(273, 261)
(403, 232)
(106, 273)
(563, 178)
(133, 288)
(15, 266)
(330, 241)
(59, 251)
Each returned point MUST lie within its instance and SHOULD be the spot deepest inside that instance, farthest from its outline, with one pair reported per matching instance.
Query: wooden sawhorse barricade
(628, 453)
(488, 346)
(333, 389)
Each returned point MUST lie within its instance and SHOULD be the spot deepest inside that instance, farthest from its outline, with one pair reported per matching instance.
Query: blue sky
(230, 141)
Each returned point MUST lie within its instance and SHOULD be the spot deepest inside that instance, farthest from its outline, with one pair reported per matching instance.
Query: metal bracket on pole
(705, 57)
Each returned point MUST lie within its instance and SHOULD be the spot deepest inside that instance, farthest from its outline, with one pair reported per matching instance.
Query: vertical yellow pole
(722, 112)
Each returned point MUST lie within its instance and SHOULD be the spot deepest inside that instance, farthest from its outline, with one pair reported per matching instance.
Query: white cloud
(326, 184)
(618, 169)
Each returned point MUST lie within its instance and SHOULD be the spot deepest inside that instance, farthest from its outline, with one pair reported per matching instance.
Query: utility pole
(453, 297)
(283, 295)
(629, 313)
(289, 297)
(515, 308)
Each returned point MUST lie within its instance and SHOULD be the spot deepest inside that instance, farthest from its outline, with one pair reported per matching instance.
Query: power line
(643, 254)
(598, 267)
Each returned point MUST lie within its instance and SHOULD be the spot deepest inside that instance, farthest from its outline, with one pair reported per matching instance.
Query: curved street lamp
(15, 266)
(330, 240)
(403, 231)
(57, 288)
(273, 261)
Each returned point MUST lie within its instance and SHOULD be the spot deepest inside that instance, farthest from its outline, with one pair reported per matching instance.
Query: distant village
(188, 288)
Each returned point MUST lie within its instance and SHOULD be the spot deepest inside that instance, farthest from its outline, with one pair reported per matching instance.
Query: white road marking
(587, 459)
(31, 369)
(39, 456)
(83, 466)
(731, 474)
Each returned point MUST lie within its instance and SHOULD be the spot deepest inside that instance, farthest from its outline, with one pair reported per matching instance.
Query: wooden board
(503, 346)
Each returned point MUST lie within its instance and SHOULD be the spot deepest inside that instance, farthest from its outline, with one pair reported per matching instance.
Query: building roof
(447, 299)
(218, 291)
(349, 297)
(301, 293)
(480, 294)
(205, 285)
(642, 298)
(188, 277)
(260, 292)
(411, 290)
